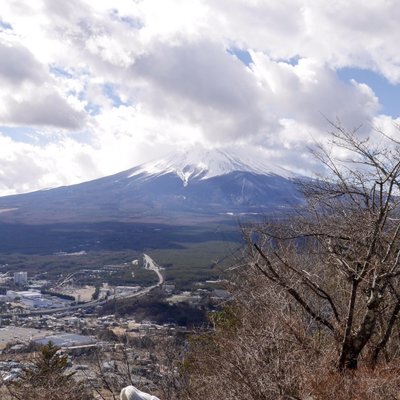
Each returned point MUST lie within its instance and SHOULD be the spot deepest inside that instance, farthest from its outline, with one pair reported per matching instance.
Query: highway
(149, 264)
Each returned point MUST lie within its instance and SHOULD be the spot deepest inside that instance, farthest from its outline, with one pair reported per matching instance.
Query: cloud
(42, 109)
(18, 65)
(105, 85)
(25, 167)
(310, 92)
(27, 96)
(202, 84)
(341, 34)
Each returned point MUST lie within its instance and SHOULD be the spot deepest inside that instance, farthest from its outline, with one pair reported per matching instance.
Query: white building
(29, 294)
(31, 298)
(21, 278)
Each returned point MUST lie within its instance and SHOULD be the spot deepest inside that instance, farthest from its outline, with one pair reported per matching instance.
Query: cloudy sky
(90, 88)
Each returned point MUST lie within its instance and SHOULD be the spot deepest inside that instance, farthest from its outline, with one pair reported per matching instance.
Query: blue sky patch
(93, 109)
(292, 61)
(58, 71)
(387, 93)
(23, 134)
(5, 25)
(243, 55)
(110, 92)
(132, 22)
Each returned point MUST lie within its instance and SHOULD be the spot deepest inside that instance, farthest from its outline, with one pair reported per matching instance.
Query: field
(188, 253)
(196, 262)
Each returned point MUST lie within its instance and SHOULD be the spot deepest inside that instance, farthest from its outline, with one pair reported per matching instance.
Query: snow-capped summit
(201, 163)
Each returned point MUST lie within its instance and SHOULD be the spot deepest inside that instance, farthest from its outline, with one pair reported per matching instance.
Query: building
(34, 299)
(21, 278)
(65, 340)
(168, 288)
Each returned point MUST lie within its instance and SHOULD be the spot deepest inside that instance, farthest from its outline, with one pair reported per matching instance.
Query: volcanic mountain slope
(184, 187)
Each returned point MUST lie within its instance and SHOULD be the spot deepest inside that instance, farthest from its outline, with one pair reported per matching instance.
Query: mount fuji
(185, 187)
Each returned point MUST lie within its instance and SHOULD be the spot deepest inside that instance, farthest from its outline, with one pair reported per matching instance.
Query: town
(100, 346)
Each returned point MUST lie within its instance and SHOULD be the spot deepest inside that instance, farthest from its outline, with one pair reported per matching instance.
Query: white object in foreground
(131, 393)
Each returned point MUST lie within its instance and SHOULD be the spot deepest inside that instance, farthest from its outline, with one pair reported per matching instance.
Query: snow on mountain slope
(190, 186)
(201, 163)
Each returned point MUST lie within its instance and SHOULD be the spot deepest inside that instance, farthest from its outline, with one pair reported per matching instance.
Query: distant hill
(197, 185)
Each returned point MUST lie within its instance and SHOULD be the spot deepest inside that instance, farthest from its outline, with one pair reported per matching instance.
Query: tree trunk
(381, 345)
(354, 345)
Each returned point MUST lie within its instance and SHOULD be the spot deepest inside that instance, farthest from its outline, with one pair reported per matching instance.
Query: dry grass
(263, 348)
(382, 383)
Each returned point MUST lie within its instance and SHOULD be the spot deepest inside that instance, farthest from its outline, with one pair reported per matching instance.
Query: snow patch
(201, 163)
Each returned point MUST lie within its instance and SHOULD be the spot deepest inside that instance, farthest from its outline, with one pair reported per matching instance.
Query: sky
(91, 88)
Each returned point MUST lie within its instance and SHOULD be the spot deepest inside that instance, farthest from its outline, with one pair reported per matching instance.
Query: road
(149, 263)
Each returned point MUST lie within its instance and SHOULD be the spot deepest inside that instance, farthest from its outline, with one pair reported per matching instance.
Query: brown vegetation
(316, 304)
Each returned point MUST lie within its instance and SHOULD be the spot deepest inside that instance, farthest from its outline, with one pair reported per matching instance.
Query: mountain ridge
(210, 185)
(202, 163)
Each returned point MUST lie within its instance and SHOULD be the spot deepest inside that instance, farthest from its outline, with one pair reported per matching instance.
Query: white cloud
(42, 108)
(341, 33)
(28, 166)
(310, 92)
(201, 84)
(27, 96)
(111, 83)
(18, 65)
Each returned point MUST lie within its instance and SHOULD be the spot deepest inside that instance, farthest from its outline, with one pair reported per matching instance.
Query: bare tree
(257, 349)
(316, 294)
(338, 259)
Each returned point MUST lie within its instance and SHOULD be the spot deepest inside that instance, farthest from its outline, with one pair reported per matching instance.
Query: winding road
(149, 263)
